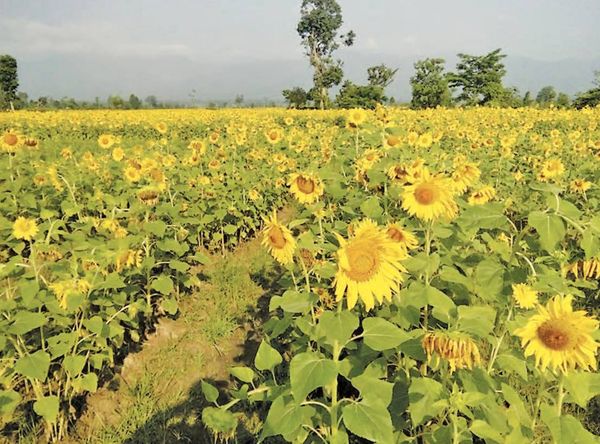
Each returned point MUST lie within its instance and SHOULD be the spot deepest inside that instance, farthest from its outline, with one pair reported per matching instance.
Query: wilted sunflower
(405, 238)
(148, 196)
(559, 337)
(24, 228)
(584, 269)
(279, 240)
(457, 348)
(369, 266)
(429, 198)
(307, 188)
(525, 296)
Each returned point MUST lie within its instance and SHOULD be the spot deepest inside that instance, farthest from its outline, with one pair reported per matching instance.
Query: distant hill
(174, 77)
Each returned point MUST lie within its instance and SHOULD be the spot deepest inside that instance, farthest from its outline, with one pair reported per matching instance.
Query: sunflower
(429, 198)
(586, 269)
(24, 228)
(106, 141)
(391, 141)
(307, 188)
(118, 154)
(11, 140)
(482, 196)
(274, 135)
(457, 348)
(279, 240)
(356, 117)
(161, 127)
(425, 140)
(559, 337)
(525, 296)
(148, 196)
(198, 145)
(580, 186)
(369, 266)
(254, 195)
(132, 174)
(464, 176)
(552, 168)
(401, 235)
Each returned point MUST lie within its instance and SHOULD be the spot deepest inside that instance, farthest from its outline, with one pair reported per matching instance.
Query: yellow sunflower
(132, 174)
(482, 196)
(118, 154)
(356, 117)
(274, 135)
(464, 176)
(24, 228)
(279, 240)
(525, 296)
(405, 238)
(559, 337)
(106, 141)
(10, 141)
(198, 145)
(580, 186)
(429, 198)
(305, 187)
(369, 266)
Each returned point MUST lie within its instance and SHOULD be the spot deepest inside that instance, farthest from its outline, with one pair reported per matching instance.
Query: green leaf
(163, 284)
(74, 364)
(582, 386)
(87, 382)
(517, 407)
(370, 420)
(9, 400)
(372, 388)
(267, 358)
(113, 281)
(565, 428)
(34, 366)
(371, 208)
(293, 302)
(285, 418)
(441, 303)
(169, 305)
(25, 321)
(489, 279)
(211, 393)
(47, 407)
(229, 229)
(336, 326)
(180, 266)
(489, 216)
(476, 320)
(156, 227)
(309, 371)
(219, 421)
(485, 431)
(423, 393)
(590, 243)
(512, 364)
(550, 228)
(380, 334)
(244, 374)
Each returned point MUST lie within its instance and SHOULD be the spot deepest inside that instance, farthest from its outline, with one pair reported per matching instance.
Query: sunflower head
(369, 266)
(559, 337)
(429, 198)
(404, 237)
(524, 296)
(24, 228)
(305, 187)
(279, 240)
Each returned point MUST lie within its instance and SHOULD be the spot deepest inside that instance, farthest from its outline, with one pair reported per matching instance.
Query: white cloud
(31, 37)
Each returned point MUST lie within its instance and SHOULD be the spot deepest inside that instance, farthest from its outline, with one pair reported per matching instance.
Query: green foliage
(381, 75)
(9, 80)
(479, 78)
(357, 96)
(430, 84)
(296, 97)
(546, 95)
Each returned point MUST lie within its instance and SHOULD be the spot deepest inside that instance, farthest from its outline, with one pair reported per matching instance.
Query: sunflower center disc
(305, 185)
(276, 237)
(395, 234)
(363, 265)
(424, 195)
(10, 139)
(553, 336)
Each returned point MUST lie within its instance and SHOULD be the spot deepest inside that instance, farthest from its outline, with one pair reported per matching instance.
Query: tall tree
(381, 75)
(563, 100)
(479, 78)
(546, 95)
(318, 28)
(9, 81)
(295, 97)
(134, 102)
(430, 84)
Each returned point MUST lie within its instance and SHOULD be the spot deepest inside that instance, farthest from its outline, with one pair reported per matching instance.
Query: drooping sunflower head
(430, 198)
(369, 266)
(559, 337)
(24, 228)
(279, 240)
(148, 195)
(455, 347)
(305, 187)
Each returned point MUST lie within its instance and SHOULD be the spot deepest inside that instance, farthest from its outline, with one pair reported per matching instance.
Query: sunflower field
(439, 276)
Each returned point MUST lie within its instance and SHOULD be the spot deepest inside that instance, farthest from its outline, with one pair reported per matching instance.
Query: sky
(220, 48)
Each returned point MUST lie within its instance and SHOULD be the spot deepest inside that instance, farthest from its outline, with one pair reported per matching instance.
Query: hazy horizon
(84, 49)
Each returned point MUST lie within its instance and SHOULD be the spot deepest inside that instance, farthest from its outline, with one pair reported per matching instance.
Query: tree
(359, 96)
(152, 101)
(563, 100)
(116, 102)
(546, 95)
(479, 78)
(381, 75)
(591, 97)
(9, 81)
(318, 28)
(527, 100)
(296, 97)
(134, 102)
(430, 84)
(239, 99)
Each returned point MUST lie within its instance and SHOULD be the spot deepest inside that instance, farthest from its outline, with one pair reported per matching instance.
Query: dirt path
(156, 395)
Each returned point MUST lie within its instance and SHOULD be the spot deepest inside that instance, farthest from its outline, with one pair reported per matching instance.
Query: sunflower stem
(560, 395)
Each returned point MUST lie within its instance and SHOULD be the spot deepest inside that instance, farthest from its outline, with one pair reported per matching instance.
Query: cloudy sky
(220, 48)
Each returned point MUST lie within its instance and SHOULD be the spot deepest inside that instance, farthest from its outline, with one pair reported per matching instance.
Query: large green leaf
(550, 227)
(424, 395)
(163, 284)
(47, 407)
(285, 418)
(476, 320)
(582, 386)
(369, 419)
(336, 326)
(267, 358)
(34, 366)
(25, 321)
(565, 428)
(380, 334)
(309, 371)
